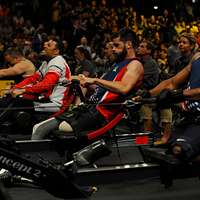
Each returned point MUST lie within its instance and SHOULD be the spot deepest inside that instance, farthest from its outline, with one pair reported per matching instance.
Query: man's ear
(149, 51)
(129, 44)
(57, 51)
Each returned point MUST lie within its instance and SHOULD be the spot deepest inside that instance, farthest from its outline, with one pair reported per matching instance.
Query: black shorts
(83, 119)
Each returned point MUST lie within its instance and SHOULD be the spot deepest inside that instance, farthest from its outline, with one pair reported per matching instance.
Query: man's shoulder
(25, 63)
(57, 58)
(135, 66)
(195, 56)
(135, 63)
(57, 61)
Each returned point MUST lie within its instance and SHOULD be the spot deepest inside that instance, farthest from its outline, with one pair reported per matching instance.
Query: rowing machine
(55, 179)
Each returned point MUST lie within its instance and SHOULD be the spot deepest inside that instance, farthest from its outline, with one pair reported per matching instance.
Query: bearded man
(120, 81)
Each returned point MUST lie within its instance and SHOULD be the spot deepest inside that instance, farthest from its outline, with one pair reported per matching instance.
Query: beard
(120, 56)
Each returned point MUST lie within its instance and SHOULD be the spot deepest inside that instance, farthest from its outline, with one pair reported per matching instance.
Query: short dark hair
(14, 52)
(84, 51)
(59, 45)
(150, 45)
(126, 34)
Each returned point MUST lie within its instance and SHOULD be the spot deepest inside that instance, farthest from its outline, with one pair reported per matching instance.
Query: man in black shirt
(151, 78)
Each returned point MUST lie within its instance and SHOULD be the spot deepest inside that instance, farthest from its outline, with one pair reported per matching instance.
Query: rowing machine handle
(131, 103)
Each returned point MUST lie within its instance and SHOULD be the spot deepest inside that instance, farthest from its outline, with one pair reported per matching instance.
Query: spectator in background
(151, 67)
(109, 56)
(173, 52)
(151, 79)
(84, 66)
(165, 115)
(37, 41)
(186, 45)
(69, 56)
(28, 28)
(27, 48)
(84, 44)
(35, 59)
(1, 53)
(163, 61)
(105, 62)
(84, 63)
(56, 12)
(76, 32)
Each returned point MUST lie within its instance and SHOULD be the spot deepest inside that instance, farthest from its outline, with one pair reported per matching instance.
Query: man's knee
(166, 116)
(35, 127)
(43, 128)
(64, 126)
(146, 112)
(36, 131)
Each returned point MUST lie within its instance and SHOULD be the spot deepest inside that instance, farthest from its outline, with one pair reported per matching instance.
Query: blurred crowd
(90, 24)
(85, 29)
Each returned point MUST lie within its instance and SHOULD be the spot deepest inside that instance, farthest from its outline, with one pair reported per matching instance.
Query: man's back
(29, 68)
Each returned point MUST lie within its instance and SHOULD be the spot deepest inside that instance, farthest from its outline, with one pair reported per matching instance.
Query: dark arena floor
(139, 190)
(124, 174)
(138, 183)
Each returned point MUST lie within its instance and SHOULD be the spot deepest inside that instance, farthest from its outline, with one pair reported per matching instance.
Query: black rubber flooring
(145, 189)
(133, 189)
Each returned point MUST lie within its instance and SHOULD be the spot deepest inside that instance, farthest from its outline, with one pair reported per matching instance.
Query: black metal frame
(43, 173)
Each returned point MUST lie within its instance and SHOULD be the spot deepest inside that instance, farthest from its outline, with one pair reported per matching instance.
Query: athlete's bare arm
(19, 68)
(173, 82)
(129, 80)
(178, 79)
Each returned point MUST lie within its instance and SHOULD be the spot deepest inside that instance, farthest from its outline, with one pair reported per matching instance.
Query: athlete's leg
(64, 126)
(43, 128)
(166, 123)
